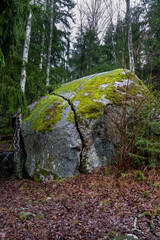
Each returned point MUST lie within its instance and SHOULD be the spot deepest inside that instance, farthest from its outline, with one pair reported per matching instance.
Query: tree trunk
(113, 45)
(50, 44)
(130, 41)
(18, 165)
(42, 49)
(26, 51)
(43, 40)
(18, 169)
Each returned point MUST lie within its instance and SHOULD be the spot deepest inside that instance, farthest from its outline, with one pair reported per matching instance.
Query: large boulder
(52, 142)
(67, 132)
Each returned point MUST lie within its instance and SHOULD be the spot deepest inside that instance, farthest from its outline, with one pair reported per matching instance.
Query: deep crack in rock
(77, 127)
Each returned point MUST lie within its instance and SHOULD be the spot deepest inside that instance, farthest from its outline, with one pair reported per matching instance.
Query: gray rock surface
(98, 148)
(53, 154)
(68, 132)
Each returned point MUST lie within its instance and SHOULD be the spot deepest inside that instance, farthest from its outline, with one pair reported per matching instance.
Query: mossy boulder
(93, 97)
(67, 132)
(52, 143)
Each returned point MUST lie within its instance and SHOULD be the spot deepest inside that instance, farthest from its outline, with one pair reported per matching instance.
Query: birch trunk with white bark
(42, 50)
(114, 52)
(26, 51)
(17, 147)
(43, 39)
(130, 41)
(50, 44)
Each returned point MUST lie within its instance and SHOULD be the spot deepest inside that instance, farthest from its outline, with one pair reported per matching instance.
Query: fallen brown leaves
(92, 206)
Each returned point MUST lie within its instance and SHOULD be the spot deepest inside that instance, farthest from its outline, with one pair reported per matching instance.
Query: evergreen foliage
(86, 54)
(10, 98)
(152, 41)
(35, 85)
(12, 17)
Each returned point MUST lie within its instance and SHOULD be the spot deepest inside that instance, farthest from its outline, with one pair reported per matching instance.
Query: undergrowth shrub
(135, 127)
(138, 175)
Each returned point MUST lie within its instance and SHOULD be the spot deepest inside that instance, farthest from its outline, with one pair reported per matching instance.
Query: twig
(135, 226)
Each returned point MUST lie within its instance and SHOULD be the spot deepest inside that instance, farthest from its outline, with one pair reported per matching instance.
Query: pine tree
(13, 15)
(86, 54)
(152, 41)
(12, 18)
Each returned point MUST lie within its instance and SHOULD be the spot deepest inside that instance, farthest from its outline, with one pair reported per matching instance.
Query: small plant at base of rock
(93, 187)
(25, 215)
(145, 194)
(138, 175)
(124, 175)
(111, 234)
(104, 202)
(107, 171)
(152, 226)
(149, 214)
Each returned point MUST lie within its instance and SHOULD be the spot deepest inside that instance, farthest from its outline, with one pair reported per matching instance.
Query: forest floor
(96, 206)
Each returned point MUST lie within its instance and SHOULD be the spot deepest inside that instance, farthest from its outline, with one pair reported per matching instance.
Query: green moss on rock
(90, 110)
(71, 86)
(43, 173)
(89, 94)
(70, 117)
(84, 165)
(46, 113)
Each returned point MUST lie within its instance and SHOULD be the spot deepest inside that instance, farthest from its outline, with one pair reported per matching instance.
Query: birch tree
(17, 148)
(43, 37)
(26, 50)
(130, 41)
(111, 10)
(50, 43)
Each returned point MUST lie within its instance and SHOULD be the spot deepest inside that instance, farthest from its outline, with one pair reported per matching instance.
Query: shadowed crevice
(77, 127)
